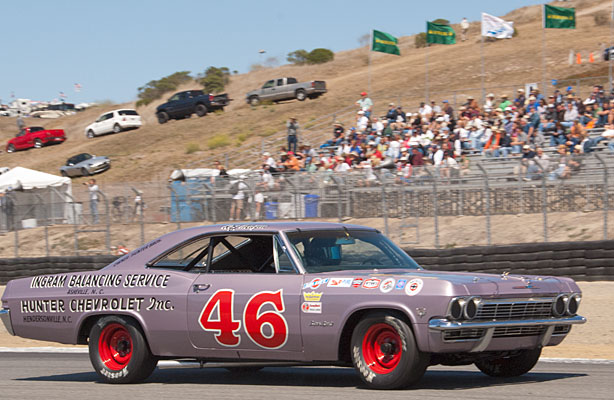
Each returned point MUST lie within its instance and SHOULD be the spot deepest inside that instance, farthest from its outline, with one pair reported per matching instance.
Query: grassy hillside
(150, 153)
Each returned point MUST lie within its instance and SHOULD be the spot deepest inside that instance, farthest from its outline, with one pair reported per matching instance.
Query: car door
(173, 105)
(281, 90)
(247, 302)
(268, 90)
(20, 140)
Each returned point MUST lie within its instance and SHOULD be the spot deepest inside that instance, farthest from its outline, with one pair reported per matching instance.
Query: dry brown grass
(150, 153)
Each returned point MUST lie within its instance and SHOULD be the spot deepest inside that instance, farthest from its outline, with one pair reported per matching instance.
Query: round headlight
(456, 308)
(559, 307)
(573, 304)
(471, 308)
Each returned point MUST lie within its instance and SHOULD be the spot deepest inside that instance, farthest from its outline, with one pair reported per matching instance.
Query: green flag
(385, 43)
(559, 17)
(439, 33)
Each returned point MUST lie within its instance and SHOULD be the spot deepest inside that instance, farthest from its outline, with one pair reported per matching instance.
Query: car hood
(465, 283)
(94, 160)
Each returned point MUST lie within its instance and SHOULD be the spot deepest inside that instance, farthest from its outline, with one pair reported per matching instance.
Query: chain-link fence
(482, 201)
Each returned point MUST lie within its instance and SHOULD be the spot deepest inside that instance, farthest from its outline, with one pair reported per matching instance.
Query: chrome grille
(463, 334)
(518, 331)
(561, 329)
(515, 309)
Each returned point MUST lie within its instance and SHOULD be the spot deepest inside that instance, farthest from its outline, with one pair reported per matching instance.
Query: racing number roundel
(267, 329)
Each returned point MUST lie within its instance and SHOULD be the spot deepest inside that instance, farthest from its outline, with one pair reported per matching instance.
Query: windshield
(338, 250)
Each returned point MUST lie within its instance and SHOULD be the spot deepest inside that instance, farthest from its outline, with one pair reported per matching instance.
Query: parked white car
(114, 121)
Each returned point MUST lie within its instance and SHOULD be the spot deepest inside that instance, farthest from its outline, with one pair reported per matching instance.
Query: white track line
(84, 350)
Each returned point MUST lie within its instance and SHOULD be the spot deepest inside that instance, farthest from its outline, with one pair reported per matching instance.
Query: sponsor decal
(315, 283)
(414, 287)
(387, 285)
(312, 296)
(47, 319)
(243, 227)
(323, 324)
(357, 282)
(340, 282)
(312, 307)
(401, 284)
(82, 281)
(371, 283)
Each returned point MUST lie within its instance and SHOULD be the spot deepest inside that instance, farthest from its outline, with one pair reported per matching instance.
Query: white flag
(496, 27)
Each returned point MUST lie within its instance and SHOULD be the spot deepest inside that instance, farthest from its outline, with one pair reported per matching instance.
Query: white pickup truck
(286, 89)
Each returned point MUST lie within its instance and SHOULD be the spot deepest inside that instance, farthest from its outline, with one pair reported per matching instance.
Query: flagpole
(544, 89)
(426, 73)
(370, 51)
(610, 49)
(482, 57)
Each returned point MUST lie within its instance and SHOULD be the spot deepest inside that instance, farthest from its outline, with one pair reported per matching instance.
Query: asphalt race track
(63, 376)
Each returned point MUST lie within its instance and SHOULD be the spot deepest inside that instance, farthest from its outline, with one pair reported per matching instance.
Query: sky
(113, 47)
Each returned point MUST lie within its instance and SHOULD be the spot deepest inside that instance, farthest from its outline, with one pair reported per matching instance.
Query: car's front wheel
(254, 100)
(10, 148)
(117, 128)
(384, 352)
(510, 366)
(162, 117)
(119, 351)
(90, 134)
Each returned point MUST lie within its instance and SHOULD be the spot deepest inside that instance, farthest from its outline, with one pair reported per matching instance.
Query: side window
(283, 264)
(242, 254)
(280, 82)
(291, 81)
(269, 84)
(108, 116)
(174, 98)
(182, 256)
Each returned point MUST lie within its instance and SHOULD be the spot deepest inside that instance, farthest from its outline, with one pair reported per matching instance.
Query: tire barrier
(582, 261)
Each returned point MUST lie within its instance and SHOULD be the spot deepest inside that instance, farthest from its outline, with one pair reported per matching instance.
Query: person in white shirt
(464, 28)
(571, 114)
(361, 122)
(425, 110)
(438, 157)
(378, 126)
(237, 199)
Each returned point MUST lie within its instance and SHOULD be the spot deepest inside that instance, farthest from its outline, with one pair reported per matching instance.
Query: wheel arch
(87, 322)
(352, 319)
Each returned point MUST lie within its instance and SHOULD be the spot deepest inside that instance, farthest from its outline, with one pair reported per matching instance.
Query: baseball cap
(363, 93)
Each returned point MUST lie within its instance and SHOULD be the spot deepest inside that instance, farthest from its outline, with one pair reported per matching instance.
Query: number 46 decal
(254, 320)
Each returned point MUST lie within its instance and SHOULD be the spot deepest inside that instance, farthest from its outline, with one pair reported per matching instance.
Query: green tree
(441, 21)
(420, 40)
(153, 90)
(215, 79)
(320, 56)
(298, 57)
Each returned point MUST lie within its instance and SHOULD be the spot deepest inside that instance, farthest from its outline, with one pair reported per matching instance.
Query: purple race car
(310, 293)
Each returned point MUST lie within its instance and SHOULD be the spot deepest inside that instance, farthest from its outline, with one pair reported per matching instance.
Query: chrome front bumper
(5, 316)
(482, 343)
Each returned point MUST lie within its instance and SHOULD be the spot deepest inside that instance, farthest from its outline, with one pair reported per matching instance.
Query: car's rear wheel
(162, 117)
(201, 110)
(300, 95)
(38, 143)
(90, 134)
(384, 352)
(85, 172)
(119, 351)
(117, 128)
(510, 366)
(10, 148)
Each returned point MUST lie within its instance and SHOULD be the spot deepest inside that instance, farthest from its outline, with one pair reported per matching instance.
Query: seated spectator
(602, 114)
(391, 115)
(570, 116)
(362, 121)
(449, 167)
(518, 140)
(538, 166)
(527, 155)
(377, 126)
(489, 104)
(563, 171)
(491, 147)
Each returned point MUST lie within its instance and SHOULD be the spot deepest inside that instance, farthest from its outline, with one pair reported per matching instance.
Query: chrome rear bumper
(5, 316)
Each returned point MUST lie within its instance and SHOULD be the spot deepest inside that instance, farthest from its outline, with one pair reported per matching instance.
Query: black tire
(254, 100)
(119, 351)
(85, 172)
(90, 134)
(162, 117)
(117, 128)
(399, 364)
(38, 144)
(301, 95)
(201, 110)
(64, 174)
(10, 148)
(506, 367)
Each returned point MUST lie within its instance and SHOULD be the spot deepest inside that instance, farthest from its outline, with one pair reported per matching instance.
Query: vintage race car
(308, 293)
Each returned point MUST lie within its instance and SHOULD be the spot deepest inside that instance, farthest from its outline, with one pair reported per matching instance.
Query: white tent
(30, 179)
(35, 196)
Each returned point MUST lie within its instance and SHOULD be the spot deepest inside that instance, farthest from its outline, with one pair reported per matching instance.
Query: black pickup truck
(184, 104)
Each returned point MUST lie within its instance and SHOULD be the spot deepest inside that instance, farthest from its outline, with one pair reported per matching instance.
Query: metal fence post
(339, 193)
(435, 208)
(384, 204)
(606, 199)
(42, 204)
(487, 202)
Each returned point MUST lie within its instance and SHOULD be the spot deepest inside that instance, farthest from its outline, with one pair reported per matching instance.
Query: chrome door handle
(201, 287)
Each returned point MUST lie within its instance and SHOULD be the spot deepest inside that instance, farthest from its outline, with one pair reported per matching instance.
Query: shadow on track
(315, 377)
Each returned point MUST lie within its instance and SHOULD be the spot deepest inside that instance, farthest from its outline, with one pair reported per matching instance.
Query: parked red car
(35, 136)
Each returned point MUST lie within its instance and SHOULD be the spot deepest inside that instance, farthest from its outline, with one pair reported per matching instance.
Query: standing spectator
(93, 190)
(292, 126)
(20, 123)
(464, 28)
(6, 204)
(237, 189)
(365, 104)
